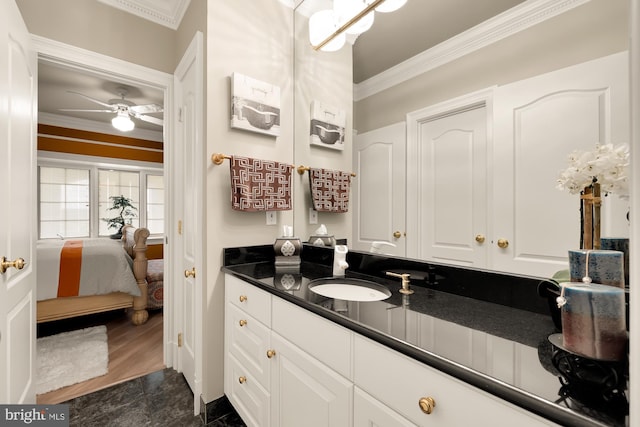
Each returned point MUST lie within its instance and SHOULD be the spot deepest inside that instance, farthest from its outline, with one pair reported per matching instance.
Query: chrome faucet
(405, 282)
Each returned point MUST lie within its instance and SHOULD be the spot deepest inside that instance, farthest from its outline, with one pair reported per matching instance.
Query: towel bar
(302, 169)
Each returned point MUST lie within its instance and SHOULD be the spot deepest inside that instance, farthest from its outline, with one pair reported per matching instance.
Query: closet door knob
(503, 243)
(480, 238)
(242, 380)
(242, 322)
(397, 234)
(243, 298)
(18, 264)
(271, 353)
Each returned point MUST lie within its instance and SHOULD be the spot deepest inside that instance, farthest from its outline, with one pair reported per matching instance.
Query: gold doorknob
(242, 322)
(503, 243)
(243, 298)
(242, 380)
(479, 238)
(190, 273)
(271, 353)
(427, 404)
(18, 264)
(397, 234)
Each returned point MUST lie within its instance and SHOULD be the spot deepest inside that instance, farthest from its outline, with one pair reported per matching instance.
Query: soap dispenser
(340, 260)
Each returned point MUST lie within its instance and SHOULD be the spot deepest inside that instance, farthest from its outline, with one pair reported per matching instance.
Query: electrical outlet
(271, 217)
(313, 216)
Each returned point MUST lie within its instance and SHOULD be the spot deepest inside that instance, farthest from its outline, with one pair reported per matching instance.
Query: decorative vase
(590, 202)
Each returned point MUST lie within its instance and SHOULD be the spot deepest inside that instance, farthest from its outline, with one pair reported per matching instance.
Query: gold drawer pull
(427, 404)
(243, 298)
(271, 353)
(242, 380)
(242, 322)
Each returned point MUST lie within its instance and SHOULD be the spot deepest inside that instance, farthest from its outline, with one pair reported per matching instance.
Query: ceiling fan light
(390, 5)
(122, 122)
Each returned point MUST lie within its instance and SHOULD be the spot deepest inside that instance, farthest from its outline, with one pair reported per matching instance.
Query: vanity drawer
(329, 343)
(248, 341)
(248, 298)
(247, 396)
(401, 382)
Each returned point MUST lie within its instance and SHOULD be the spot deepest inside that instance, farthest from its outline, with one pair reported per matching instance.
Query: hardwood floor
(134, 351)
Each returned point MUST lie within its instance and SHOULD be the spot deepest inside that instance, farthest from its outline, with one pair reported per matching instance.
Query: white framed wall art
(327, 126)
(255, 105)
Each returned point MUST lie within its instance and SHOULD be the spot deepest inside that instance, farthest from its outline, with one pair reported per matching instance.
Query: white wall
(252, 38)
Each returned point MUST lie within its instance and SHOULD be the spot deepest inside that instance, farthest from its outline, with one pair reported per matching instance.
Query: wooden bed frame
(134, 242)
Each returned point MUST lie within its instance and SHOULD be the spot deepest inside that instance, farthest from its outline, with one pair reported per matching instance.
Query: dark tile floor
(162, 398)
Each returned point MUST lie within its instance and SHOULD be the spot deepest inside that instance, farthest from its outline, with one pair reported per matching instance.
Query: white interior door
(379, 190)
(449, 190)
(188, 175)
(18, 112)
(538, 123)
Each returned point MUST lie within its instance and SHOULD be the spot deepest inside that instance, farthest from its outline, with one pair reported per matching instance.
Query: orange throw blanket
(70, 267)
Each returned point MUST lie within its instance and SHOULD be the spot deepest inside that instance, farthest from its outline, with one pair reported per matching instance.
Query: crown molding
(164, 12)
(501, 26)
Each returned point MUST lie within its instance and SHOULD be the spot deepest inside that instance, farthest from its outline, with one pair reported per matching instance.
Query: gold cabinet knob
(242, 380)
(243, 298)
(397, 234)
(242, 322)
(480, 238)
(190, 273)
(427, 404)
(503, 243)
(18, 264)
(271, 353)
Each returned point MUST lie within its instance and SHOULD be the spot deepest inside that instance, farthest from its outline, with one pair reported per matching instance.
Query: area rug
(71, 357)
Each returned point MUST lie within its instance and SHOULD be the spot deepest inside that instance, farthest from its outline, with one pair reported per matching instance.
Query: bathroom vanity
(465, 348)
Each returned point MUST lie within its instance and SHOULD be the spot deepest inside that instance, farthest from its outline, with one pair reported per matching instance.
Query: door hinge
(180, 226)
(180, 115)
(180, 339)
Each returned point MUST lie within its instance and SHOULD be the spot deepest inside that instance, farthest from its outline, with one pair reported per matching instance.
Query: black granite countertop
(513, 328)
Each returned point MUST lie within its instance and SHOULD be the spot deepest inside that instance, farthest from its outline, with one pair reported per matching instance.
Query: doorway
(116, 73)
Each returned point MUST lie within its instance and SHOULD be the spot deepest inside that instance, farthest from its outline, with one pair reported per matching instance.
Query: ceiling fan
(124, 110)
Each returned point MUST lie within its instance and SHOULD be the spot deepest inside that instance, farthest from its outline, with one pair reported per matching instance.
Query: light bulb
(122, 122)
(347, 9)
(390, 5)
(321, 25)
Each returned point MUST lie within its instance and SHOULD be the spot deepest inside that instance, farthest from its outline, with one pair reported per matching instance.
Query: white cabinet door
(538, 123)
(370, 412)
(447, 190)
(379, 189)
(305, 392)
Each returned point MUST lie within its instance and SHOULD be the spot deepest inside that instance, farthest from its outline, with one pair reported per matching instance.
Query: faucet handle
(405, 282)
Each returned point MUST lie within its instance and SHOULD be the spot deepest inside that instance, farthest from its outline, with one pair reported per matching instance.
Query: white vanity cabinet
(247, 339)
(405, 387)
(284, 366)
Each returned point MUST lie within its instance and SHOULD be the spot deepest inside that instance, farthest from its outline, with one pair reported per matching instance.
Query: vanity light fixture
(327, 28)
(122, 121)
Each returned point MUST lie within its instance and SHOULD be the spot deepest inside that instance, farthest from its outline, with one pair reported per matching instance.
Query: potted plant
(125, 212)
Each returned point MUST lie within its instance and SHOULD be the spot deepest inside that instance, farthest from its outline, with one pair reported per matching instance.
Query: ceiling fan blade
(86, 111)
(97, 101)
(154, 120)
(146, 109)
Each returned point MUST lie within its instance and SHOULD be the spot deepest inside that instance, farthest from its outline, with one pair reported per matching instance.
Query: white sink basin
(349, 289)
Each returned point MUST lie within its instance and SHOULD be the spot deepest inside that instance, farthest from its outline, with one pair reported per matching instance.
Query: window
(74, 197)
(117, 183)
(64, 202)
(155, 204)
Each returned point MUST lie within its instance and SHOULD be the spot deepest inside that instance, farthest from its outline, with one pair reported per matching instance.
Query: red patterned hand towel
(330, 190)
(260, 185)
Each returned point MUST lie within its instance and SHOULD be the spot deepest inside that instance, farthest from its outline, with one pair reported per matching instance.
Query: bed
(102, 275)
